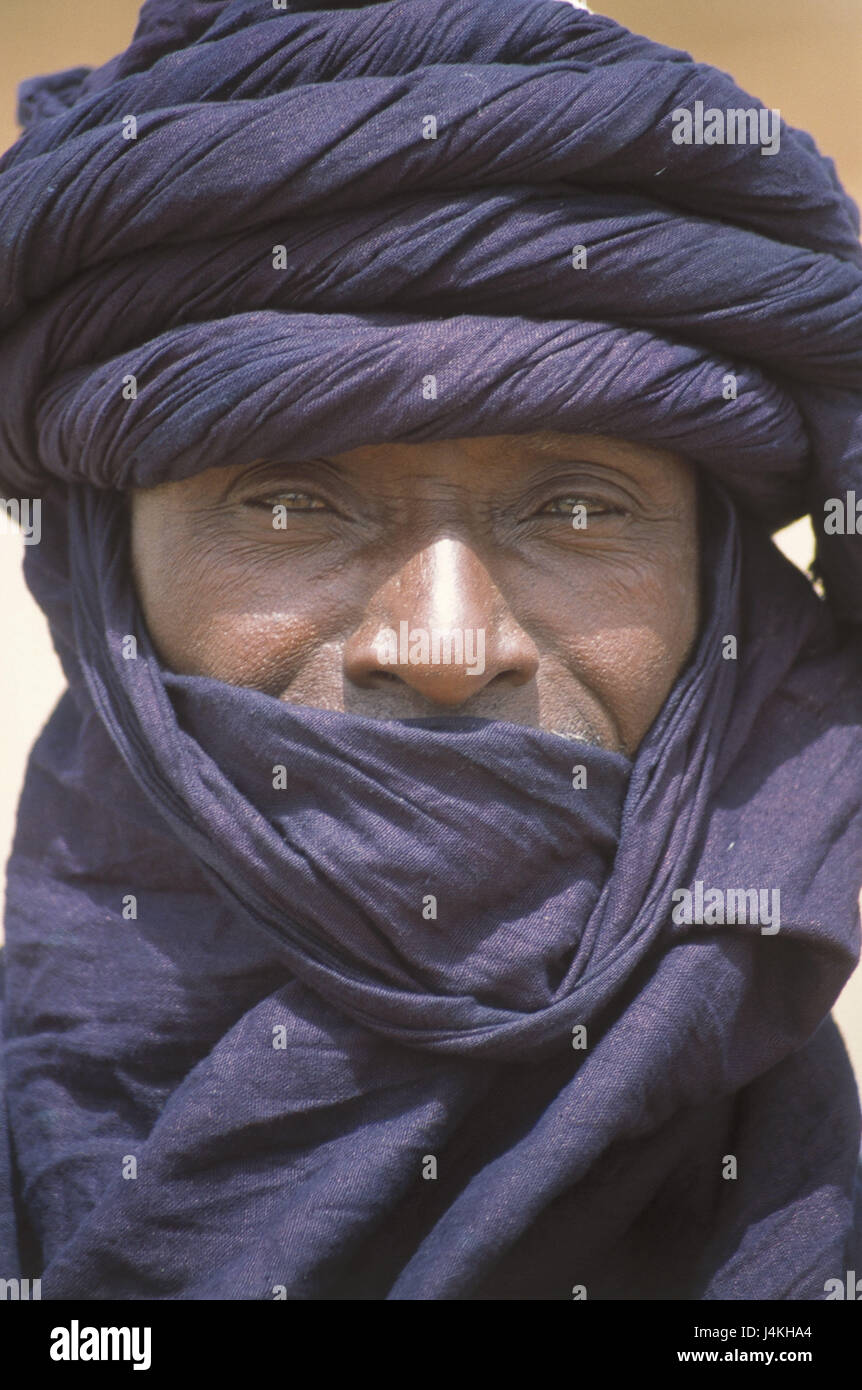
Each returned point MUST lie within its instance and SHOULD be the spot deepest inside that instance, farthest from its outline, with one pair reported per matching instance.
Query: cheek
(233, 613)
(626, 631)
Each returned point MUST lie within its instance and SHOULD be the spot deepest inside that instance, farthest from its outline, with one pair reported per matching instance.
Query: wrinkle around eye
(567, 502)
(283, 499)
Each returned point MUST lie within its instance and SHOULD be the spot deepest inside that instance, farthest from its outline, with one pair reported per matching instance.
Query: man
(436, 881)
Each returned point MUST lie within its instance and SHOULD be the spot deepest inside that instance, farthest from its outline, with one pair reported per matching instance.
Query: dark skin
(586, 629)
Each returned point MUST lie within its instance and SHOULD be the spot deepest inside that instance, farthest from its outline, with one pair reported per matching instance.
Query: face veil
(217, 963)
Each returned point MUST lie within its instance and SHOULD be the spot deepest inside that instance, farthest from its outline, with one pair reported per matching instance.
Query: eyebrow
(553, 444)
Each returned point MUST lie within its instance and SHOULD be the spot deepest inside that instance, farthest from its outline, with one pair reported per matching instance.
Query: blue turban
(239, 1064)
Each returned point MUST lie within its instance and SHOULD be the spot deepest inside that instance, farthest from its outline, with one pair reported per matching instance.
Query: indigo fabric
(234, 1051)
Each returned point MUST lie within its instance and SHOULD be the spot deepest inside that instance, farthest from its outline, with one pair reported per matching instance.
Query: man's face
(564, 569)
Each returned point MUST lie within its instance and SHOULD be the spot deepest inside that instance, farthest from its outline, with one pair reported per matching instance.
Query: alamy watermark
(421, 646)
(842, 516)
(77, 1343)
(849, 1288)
(20, 1290)
(736, 125)
(26, 515)
(717, 906)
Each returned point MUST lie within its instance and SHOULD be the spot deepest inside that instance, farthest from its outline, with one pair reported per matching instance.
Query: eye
(567, 505)
(291, 501)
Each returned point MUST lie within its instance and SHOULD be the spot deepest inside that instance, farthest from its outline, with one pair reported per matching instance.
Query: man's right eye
(291, 501)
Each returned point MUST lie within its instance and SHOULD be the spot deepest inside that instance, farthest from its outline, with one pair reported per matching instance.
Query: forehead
(515, 453)
(506, 447)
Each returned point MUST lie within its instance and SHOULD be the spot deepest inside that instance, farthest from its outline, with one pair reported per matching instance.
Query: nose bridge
(440, 626)
(446, 585)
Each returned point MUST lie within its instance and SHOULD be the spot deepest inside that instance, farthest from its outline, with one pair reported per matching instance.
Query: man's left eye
(291, 501)
(566, 506)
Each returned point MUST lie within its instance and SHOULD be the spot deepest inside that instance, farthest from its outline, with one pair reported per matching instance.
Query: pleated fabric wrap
(243, 1092)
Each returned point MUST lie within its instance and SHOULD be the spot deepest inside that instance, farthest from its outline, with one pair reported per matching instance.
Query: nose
(440, 628)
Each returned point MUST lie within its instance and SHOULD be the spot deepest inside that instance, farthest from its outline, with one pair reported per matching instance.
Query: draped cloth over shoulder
(235, 1054)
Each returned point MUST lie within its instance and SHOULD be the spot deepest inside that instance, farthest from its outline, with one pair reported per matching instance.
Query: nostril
(510, 678)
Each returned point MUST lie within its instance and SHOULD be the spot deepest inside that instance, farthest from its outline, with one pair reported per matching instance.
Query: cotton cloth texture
(238, 1092)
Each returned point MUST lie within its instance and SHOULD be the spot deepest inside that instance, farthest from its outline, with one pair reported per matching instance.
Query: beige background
(803, 57)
